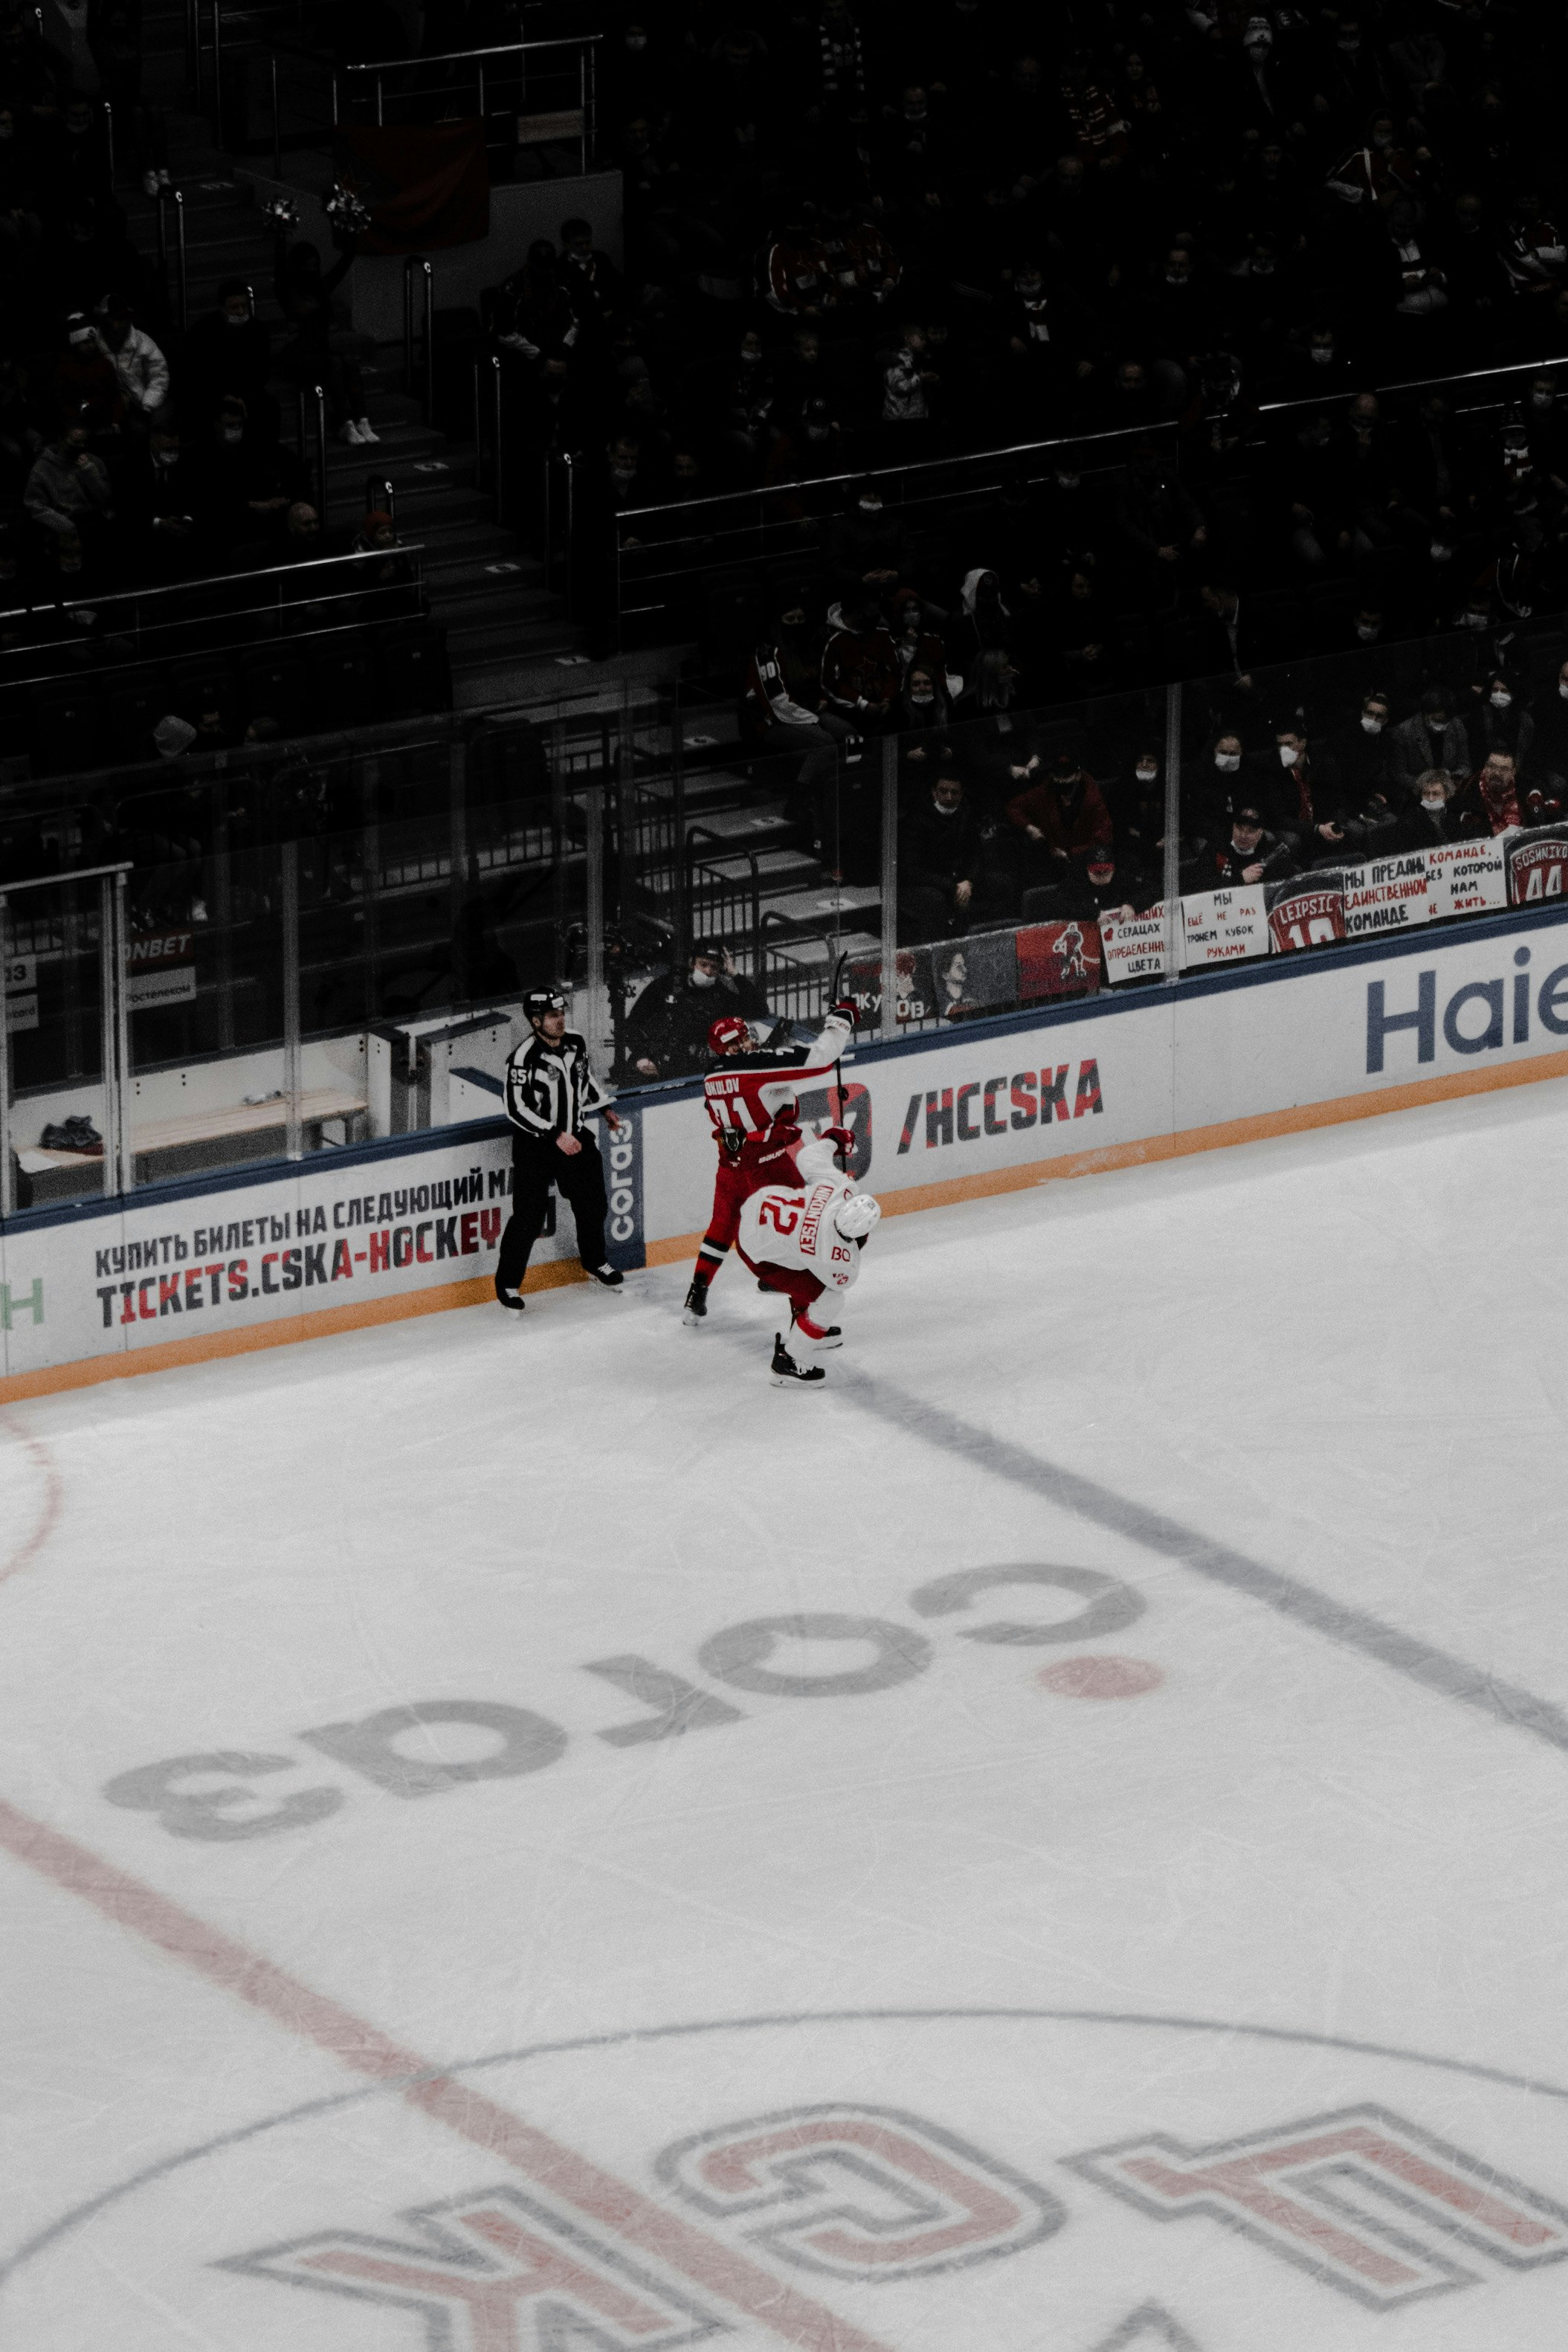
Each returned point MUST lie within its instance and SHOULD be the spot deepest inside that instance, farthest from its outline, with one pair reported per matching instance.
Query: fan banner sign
(427, 186)
(1133, 949)
(1467, 878)
(1386, 894)
(987, 971)
(1224, 926)
(1306, 913)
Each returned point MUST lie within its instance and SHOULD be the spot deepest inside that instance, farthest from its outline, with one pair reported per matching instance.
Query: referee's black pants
(578, 1177)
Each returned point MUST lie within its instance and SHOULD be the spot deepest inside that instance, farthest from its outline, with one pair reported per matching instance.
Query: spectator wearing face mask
(1313, 361)
(1545, 421)
(163, 497)
(1059, 809)
(1308, 796)
(1137, 800)
(246, 481)
(666, 1030)
(1424, 821)
(814, 448)
(1307, 485)
(592, 284)
(1500, 722)
(70, 500)
(867, 549)
(1365, 751)
(139, 366)
(913, 626)
(229, 351)
(923, 705)
(861, 674)
(1225, 645)
(1161, 526)
(1477, 283)
(909, 385)
(782, 707)
(1221, 783)
(1435, 737)
(982, 624)
(940, 850)
(1377, 171)
(85, 383)
(1080, 629)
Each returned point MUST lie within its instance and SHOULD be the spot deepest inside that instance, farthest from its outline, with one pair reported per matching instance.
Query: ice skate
(787, 1373)
(694, 1311)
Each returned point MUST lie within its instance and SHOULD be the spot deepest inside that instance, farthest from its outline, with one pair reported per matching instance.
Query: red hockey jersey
(753, 1099)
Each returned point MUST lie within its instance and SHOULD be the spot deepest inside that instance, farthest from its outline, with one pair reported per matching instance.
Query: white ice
(1303, 1874)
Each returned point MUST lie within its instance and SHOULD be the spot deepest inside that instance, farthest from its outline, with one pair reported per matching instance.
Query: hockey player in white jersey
(804, 1239)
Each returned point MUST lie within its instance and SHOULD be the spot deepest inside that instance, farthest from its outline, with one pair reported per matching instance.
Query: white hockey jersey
(792, 1226)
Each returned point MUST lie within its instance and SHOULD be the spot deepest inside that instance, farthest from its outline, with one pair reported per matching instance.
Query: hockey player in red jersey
(753, 1100)
(802, 1236)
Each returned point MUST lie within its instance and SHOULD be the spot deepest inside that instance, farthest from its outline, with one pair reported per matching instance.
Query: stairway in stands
(486, 591)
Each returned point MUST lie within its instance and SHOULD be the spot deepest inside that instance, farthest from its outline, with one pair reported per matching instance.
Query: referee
(551, 1090)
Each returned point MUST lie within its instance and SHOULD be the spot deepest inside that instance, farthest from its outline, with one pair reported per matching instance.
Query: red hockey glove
(842, 1139)
(847, 1010)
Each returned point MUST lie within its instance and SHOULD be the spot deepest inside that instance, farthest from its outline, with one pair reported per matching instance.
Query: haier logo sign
(1480, 1018)
(624, 1183)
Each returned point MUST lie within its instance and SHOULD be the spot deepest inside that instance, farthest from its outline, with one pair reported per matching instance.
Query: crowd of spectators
(859, 234)
(1052, 821)
(1060, 815)
(132, 454)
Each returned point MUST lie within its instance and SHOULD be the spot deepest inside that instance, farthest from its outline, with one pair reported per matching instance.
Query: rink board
(380, 1231)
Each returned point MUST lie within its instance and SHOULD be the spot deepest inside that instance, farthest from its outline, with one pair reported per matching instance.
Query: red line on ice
(31, 1546)
(574, 2179)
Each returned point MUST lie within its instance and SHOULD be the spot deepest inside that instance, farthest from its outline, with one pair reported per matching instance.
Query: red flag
(426, 186)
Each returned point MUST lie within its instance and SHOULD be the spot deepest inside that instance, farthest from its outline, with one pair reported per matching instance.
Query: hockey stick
(838, 1066)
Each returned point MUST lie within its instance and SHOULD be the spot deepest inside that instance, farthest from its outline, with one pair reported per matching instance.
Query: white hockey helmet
(857, 1216)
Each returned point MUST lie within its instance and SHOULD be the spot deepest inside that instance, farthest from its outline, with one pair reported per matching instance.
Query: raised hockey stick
(838, 1066)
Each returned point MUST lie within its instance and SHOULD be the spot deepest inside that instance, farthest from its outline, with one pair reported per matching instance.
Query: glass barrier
(752, 882)
(329, 941)
(60, 1101)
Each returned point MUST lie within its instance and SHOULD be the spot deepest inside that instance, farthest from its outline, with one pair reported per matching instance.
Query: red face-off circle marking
(1100, 1677)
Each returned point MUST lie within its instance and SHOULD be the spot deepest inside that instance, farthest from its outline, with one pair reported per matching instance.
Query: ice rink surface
(520, 1837)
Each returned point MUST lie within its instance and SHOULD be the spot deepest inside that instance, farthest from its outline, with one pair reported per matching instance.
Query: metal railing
(176, 196)
(563, 72)
(311, 410)
(416, 262)
(145, 616)
(543, 128)
(679, 544)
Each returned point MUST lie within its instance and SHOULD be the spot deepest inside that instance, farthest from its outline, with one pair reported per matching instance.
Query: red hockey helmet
(729, 1030)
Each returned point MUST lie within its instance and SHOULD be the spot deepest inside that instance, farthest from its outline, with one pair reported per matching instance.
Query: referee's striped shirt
(551, 1089)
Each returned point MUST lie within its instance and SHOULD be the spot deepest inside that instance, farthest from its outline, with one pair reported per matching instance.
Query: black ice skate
(609, 1277)
(786, 1371)
(512, 1299)
(695, 1308)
